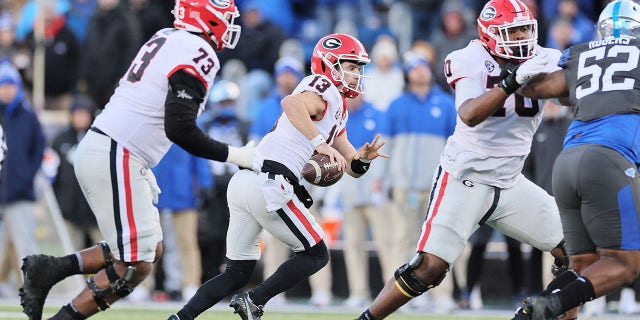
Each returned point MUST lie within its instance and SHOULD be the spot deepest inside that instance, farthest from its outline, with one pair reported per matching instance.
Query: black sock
(290, 273)
(235, 276)
(576, 293)
(68, 312)
(366, 315)
(560, 281)
(182, 314)
(70, 265)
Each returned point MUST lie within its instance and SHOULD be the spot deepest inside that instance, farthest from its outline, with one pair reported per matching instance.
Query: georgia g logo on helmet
(488, 13)
(332, 43)
(221, 3)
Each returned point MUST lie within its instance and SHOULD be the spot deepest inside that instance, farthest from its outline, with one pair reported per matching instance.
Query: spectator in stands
(583, 26)
(259, 42)
(420, 120)
(219, 120)
(386, 77)
(363, 202)
(62, 52)
(588, 8)
(150, 18)
(425, 16)
(26, 143)
(78, 17)
(288, 73)
(560, 34)
(80, 221)
(277, 11)
(181, 176)
(10, 48)
(112, 41)
(30, 11)
(453, 33)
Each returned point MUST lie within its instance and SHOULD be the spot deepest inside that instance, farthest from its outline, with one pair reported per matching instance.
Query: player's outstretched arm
(359, 160)
(545, 86)
(182, 104)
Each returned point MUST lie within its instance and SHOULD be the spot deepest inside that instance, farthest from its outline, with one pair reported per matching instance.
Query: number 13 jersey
(134, 116)
(288, 146)
(492, 152)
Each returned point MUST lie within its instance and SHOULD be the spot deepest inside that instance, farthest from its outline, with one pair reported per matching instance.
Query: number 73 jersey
(134, 116)
(602, 77)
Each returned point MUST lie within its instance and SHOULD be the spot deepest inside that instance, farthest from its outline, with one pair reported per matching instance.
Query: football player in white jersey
(156, 104)
(313, 120)
(479, 179)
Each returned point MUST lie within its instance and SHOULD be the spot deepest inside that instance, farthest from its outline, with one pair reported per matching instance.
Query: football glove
(246, 156)
(508, 81)
(531, 67)
(514, 75)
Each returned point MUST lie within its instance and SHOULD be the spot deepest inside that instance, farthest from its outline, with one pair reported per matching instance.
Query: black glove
(508, 81)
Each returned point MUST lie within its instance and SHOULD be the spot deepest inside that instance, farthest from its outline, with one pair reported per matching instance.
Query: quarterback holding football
(313, 121)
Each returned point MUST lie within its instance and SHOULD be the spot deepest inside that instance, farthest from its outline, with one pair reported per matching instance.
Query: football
(319, 172)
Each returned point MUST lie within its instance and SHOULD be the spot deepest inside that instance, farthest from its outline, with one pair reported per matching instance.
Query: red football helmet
(336, 48)
(498, 19)
(214, 18)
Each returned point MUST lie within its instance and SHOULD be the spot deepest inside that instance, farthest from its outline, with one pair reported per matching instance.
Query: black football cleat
(543, 307)
(521, 314)
(40, 273)
(245, 308)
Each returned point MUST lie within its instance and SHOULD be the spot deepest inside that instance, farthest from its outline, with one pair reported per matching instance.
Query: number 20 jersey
(493, 151)
(288, 146)
(134, 116)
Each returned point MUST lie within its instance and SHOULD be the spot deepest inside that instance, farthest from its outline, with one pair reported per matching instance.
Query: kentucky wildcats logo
(221, 3)
(488, 13)
(332, 43)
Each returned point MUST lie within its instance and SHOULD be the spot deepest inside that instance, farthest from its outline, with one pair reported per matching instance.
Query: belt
(270, 166)
(96, 130)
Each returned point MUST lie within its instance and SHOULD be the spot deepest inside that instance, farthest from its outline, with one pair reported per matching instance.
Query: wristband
(360, 166)
(317, 140)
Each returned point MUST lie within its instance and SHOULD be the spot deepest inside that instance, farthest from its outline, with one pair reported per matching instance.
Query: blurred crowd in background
(80, 49)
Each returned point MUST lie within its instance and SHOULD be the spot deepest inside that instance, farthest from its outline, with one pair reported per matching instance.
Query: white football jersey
(492, 152)
(288, 146)
(134, 116)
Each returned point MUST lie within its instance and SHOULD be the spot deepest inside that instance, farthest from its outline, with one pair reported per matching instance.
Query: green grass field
(140, 313)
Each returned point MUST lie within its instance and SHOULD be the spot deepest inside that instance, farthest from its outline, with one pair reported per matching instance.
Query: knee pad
(319, 254)
(240, 271)
(408, 282)
(117, 286)
(560, 264)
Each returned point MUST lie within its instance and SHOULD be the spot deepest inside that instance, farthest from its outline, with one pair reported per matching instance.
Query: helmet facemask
(513, 48)
(338, 73)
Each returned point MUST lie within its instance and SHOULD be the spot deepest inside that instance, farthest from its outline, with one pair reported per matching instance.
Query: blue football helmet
(620, 18)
